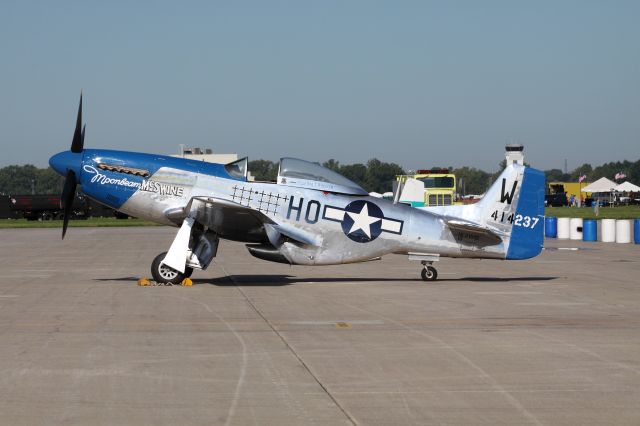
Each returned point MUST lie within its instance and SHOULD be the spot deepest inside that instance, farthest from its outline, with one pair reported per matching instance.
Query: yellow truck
(439, 188)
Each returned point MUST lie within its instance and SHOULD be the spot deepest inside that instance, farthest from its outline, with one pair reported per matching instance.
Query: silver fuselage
(311, 213)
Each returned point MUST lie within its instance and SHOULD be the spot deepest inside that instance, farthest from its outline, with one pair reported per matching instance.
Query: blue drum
(551, 227)
(590, 230)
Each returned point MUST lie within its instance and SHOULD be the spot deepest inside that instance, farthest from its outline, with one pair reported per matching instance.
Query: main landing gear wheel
(166, 275)
(429, 273)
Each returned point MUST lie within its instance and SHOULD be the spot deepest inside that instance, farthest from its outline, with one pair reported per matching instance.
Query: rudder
(513, 208)
(527, 233)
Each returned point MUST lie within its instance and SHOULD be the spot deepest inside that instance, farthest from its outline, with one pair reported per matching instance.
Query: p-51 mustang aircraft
(309, 216)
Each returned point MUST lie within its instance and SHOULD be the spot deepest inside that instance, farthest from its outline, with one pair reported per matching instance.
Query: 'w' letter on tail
(508, 196)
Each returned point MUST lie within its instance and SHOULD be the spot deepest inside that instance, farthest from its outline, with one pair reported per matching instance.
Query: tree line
(29, 179)
(374, 175)
(475, 181)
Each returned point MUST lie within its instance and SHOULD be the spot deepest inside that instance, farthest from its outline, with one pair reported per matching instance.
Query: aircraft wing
(464, 229)
(234, 221)
(228, 219)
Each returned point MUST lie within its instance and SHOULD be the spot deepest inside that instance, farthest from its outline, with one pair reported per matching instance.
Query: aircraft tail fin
(513, 207)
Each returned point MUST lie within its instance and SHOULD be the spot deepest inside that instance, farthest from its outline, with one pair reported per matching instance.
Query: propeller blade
(66, 201)
(78, 140)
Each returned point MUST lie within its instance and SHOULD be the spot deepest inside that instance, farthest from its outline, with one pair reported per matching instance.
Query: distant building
(205, 154)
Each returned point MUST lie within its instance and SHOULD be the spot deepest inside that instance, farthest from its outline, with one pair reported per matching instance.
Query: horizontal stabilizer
(459, 225)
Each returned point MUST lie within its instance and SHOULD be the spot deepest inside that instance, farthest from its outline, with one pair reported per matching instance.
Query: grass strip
(91, 222)
(620, 212)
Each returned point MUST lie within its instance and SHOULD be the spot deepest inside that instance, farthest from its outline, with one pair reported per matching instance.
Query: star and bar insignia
(362, 221)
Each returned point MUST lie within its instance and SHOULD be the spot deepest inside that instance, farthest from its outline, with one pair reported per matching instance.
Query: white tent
(601, 185)
(627, 187)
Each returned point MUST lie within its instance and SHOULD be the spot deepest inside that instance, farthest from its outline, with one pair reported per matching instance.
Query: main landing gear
(164, 274)
(194, 247)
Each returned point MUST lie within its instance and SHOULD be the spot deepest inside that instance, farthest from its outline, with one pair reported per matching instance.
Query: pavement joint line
(496, 385)
(286, 343)
(355, 322)
(507, 292)
(243, 369)
(585, 351)
(552, 303)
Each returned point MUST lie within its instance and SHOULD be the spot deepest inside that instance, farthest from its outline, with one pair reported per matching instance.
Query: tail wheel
(163, 274)
(429, 273)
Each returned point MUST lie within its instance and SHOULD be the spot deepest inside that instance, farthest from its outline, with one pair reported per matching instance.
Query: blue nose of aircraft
(66, 160)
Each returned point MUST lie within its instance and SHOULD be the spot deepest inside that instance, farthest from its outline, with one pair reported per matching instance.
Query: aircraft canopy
(304, 174)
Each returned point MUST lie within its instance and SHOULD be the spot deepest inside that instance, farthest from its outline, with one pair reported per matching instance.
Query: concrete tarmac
(550, 341)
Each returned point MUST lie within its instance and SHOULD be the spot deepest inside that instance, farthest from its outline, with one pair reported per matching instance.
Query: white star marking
(362, 221)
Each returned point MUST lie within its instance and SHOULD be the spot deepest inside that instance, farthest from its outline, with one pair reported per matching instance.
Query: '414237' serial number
(515, 219)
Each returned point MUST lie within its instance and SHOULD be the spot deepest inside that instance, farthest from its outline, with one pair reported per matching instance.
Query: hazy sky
(417, 83)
